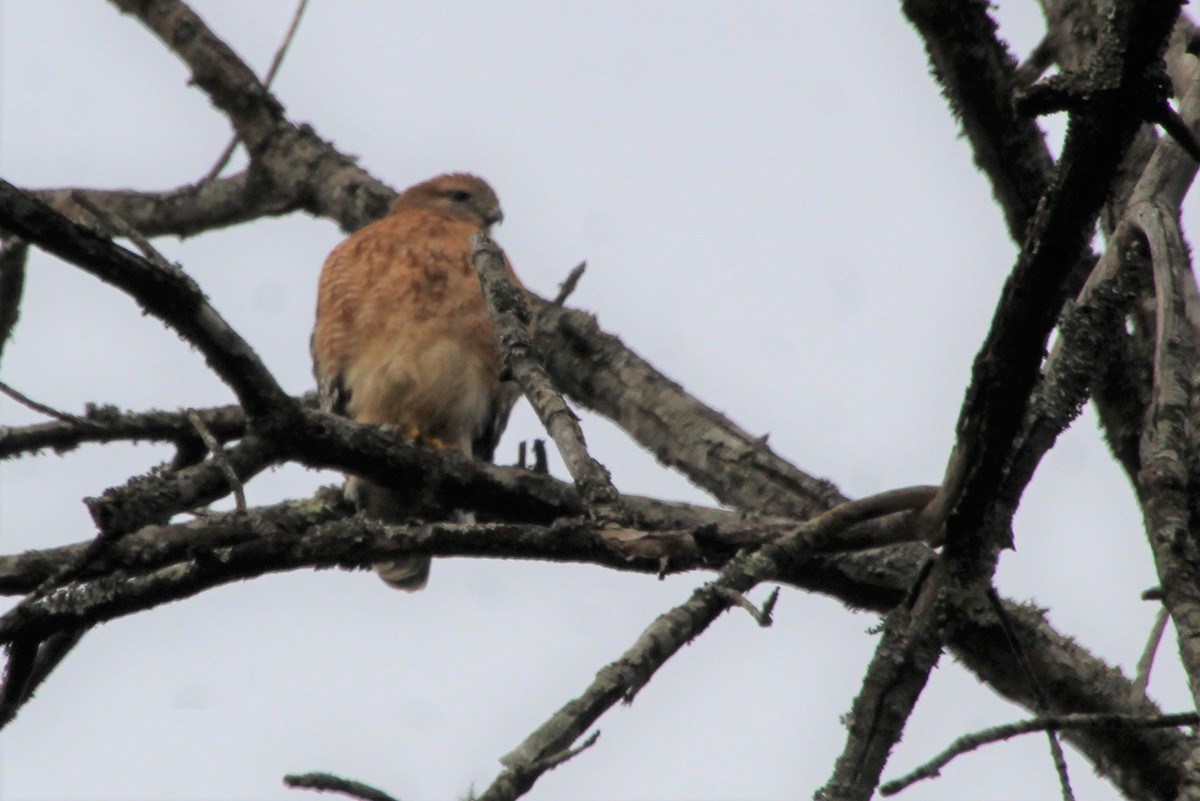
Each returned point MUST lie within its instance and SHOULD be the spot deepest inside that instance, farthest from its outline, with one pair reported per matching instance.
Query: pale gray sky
(776, 210)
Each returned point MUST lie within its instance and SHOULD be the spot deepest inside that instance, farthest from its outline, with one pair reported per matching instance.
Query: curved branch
(971, 742)
(168, 294)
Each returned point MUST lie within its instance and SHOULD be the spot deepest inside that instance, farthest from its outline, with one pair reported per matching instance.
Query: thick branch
(189, 209)
(1004, 375)
(12, 286)
(978, 77)
(1007, 367)
(216, 69)
(1164, 481)
(597, 370)
(143, 573)
(169, 295)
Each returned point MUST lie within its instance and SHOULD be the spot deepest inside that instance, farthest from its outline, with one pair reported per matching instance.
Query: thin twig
(327, 782)
(49, 411)
(970, 742)
(223, 159)
(1039, 694)
(554, 760)
(568, 285)
(1142, 681)
(761, 616)
(218, 454)
(116, 226)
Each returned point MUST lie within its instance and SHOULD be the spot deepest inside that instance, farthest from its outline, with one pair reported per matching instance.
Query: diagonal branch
(971, 742)
(268, 79)
(600, 372)
(978, 77)
(282, 154)
(216, 69)
(510, 313)
(12, 286)
(623, 679)
(168, 294)
(1003, 378)
(1164, 482)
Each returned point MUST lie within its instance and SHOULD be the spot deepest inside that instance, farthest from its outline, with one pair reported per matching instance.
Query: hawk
(403, 339)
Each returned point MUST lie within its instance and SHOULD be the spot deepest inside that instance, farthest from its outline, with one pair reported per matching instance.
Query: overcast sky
(776, 210)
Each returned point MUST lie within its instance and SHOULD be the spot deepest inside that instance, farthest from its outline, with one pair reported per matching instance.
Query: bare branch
(326, 182)
(19, 687)
(978, 76)
(13, 252)
(1142, 682)
(189, 209)
(1164, 481)
(623, 679)
(569, 283)
(327, 782)
(1007, 367)
(510, 313)
(167, 563)
(216, 69)
(218, 455)
(1003, 378)
(167, 293)
(114, 226)
(970, 742)
(49, 411)
(761, 616)
(223, 159)
(102, 423)
(597, 370)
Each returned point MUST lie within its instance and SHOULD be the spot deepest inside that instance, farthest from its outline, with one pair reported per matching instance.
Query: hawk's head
(459, 194)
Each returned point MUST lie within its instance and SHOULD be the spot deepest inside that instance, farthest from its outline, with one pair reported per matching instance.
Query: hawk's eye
(459, 195)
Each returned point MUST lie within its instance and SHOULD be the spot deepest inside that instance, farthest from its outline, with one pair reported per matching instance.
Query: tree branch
(1003, 378)
(510, 313)
(13, 252)
(268, 79)
(168, 294)
(623, 679)
(327, 782)
(971, 742)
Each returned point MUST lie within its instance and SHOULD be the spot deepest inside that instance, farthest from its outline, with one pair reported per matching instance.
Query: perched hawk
(403, 338)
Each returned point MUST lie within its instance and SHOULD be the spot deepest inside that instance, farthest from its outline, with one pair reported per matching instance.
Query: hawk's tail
(405, 574)
(391, 506)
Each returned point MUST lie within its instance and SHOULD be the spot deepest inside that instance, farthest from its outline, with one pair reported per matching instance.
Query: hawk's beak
(495, 216)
